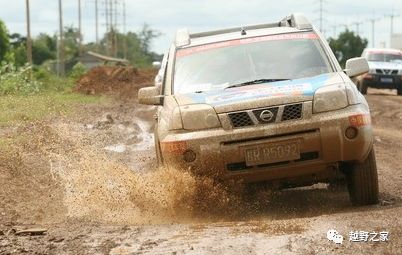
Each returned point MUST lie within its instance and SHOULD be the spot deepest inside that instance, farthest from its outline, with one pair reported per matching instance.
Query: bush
(77, 71)
(15, 80)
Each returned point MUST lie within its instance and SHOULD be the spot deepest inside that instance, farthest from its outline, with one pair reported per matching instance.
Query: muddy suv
(385, 70)
(264, 103)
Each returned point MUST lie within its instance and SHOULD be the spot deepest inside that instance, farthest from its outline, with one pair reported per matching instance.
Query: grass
(25, 108)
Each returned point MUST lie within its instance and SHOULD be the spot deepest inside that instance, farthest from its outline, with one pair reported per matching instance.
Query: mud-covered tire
(363, 181)
(399, 90)
(362, 88)
(159, 159)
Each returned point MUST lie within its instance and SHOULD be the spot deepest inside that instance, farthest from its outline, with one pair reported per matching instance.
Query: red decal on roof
(384, 52)
(206, 47)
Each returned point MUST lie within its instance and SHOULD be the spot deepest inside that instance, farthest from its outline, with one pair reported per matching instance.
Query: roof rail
(296, 20)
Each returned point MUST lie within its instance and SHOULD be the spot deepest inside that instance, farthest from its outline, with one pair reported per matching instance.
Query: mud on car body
(264, 103)
(385, 70)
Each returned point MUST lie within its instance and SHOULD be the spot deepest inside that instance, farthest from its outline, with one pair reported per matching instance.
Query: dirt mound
(121, 81)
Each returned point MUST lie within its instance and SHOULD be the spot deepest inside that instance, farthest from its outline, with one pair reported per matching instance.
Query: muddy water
(100, 186)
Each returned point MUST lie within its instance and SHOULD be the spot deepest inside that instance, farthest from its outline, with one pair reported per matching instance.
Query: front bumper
(220, 152)
(382, 81)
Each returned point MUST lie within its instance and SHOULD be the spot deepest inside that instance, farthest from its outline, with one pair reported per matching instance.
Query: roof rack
(296, 20)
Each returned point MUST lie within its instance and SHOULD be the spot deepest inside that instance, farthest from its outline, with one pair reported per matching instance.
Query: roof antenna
(243, 31)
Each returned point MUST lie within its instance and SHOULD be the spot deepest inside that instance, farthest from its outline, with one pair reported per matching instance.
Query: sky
(167, 16)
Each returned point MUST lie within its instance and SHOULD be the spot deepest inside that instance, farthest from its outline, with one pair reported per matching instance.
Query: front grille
(240, 119)
(266, 115)
(386, 71)
(292, 112)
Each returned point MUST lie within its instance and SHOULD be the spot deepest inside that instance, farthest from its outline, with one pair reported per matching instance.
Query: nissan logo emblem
(266, 115)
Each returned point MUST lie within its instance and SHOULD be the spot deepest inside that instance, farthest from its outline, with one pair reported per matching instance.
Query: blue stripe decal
(305, 86)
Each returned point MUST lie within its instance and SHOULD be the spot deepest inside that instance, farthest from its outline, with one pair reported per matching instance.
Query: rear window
(218, 65)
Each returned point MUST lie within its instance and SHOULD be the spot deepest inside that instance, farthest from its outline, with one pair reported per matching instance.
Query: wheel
(400, 90)
(159, 160)
(158, 152)
(362, 181)
(362, 87)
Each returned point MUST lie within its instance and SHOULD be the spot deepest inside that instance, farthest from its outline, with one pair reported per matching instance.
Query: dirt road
(91, 182)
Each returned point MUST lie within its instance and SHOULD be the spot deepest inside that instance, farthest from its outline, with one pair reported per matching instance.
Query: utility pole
(79, 29)
(321, 14)
(96, 25)
(61, 42)
(334, 29)
(392, 16)
(107, 26)
(357, 24)
(124, 29)
(373, 21)
(29, 39)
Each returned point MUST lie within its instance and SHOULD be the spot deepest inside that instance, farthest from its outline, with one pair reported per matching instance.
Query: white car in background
(385, 70)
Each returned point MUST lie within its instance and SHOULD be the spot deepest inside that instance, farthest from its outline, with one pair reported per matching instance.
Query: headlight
(330, 98)
(196, 117)
(175, 121)
(354, 96)
(372, 71)
(400, 72)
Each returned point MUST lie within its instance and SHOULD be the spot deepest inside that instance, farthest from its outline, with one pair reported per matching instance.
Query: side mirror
(150, 96)
(356, 67)
(156, 64)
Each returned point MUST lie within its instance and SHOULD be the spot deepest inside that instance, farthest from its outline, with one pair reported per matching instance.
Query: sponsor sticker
(174, 147)
(261, 91)
(360, 120)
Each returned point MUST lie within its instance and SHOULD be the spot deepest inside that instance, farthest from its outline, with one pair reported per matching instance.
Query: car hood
(385, 65)
(261, 95)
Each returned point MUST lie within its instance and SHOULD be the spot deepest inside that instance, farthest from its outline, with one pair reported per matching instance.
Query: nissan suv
(385, 70)
(264, 103)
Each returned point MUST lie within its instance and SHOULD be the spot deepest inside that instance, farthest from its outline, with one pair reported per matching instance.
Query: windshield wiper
(259, 81)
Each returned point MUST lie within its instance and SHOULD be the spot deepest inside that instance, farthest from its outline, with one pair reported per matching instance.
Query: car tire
(399, 90)
(362, 181)
(158, 152)
(362, 87)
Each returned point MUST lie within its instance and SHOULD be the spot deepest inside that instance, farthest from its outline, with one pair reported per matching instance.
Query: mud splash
(99, 188)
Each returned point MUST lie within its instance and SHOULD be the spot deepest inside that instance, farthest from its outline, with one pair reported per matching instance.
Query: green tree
(4, 41)
(18, 49)
(44, 48)
(138, 46)
(347, 45)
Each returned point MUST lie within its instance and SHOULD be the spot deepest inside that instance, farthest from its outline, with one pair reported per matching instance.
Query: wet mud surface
(91, 182)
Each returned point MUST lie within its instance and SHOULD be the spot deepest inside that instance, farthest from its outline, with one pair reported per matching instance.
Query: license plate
(387, 80)
(272, 153)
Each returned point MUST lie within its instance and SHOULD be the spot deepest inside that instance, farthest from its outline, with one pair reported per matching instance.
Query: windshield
(384, 57)
(275, 57)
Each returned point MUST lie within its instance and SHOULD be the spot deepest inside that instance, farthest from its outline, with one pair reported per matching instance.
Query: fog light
(351, 132)
(189, 156)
